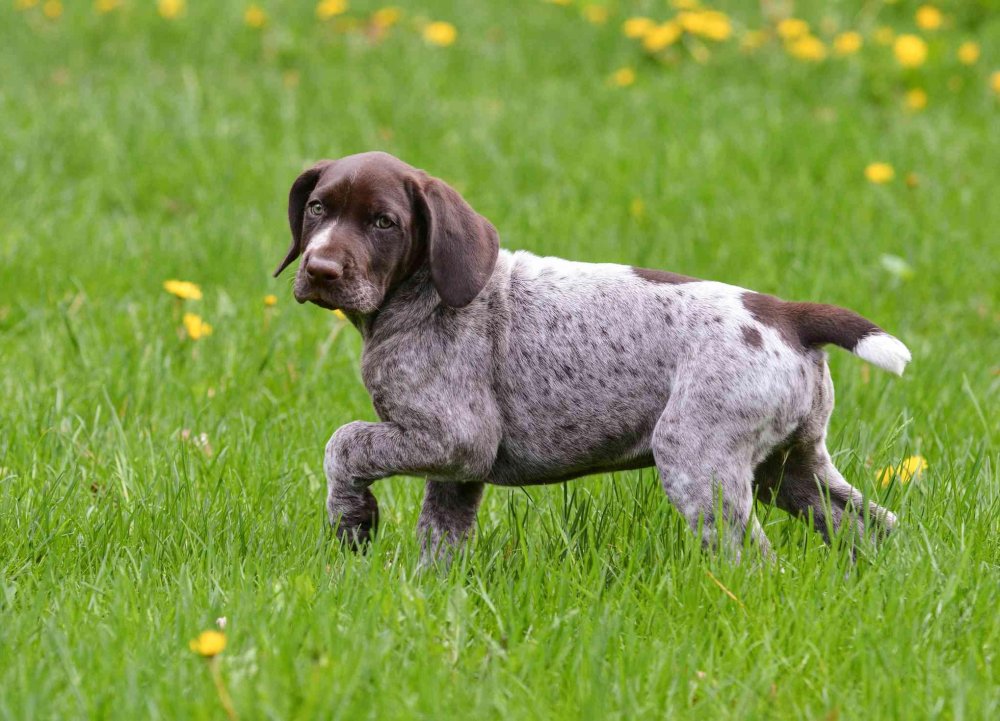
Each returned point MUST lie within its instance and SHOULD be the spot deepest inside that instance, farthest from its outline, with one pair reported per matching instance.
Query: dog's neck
(408, 302)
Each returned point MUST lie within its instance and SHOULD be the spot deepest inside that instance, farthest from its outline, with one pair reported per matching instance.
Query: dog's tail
(818, 324)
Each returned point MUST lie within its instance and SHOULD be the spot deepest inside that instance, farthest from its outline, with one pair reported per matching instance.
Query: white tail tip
(883, 350)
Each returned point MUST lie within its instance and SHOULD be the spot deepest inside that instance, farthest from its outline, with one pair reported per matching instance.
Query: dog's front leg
(360, 453)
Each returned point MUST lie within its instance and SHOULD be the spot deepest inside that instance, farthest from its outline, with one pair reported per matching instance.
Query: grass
(139, 149)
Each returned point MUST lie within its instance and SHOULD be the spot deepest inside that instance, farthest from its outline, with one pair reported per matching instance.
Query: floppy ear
(297, 197)
(461, 244)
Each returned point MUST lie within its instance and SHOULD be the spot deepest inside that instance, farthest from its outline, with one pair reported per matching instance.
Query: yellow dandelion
(106, 6)
(339, 314)
(710, 24)
(995, 81)
(52, 9)
(916, 99)
(637, 208)
(255, 17)
(637, 27)
(196, 328)
(929, 17)
(170, 9)
(968, 53)
(684, 4)
(792, 28)
(808, 48)
(182, 289)
(386, 17)
(885, 35)
(595, 14)
(270, 300)
(559, 2)
(623, 77)
(912, 467)
(24, 4)
(661, 36)
(330, 8)
(879, 173)
(910, 51)
(440, 33)
(847, 43)
(208, 643)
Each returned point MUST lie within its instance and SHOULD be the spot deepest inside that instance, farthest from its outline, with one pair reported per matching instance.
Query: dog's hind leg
(706, 465)
(801, 478)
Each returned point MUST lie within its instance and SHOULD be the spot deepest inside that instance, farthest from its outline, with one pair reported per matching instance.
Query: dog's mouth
(337, 297)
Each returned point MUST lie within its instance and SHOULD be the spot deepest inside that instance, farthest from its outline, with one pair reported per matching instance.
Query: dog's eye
(383, 222)
(315, 208)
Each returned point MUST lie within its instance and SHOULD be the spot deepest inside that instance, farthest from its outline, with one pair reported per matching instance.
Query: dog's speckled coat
(541, 370)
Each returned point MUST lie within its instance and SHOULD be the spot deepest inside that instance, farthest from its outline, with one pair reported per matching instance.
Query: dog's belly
(512, 470)
(562, 421)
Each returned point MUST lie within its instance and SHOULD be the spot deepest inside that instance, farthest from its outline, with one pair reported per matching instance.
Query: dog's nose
(321, 269)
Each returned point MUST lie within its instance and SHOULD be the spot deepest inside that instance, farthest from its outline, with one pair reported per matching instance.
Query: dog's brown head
(366, 222)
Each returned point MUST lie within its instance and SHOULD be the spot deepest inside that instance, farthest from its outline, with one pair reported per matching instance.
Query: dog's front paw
(353, 516)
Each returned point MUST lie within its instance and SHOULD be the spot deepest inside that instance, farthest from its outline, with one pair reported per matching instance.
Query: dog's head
(366, 222)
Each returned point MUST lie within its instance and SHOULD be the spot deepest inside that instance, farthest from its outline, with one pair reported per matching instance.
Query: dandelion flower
(623, 77)
(684, 4)
(25, 4)
(339, 314)
(910, 51)
(106, 6)
(792, 28)
(808, 48)
(183, 289)
(929, 17)
(638, 27)
(270, 300)
(909, 469)
(386, 17)
(879, 173)
(196, 328)
(968, 53)
(255, 17)
(208, 643)
(52, 9)
(440, 33)
(331, 8)
(637, 208)
(916, 99)
(662, 36)
(559, 2)
(595, 14)
(710, 24)
(847, 43)
(170, 9)
(995, 81)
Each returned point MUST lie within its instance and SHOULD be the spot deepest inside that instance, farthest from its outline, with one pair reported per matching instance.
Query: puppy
(492, 367)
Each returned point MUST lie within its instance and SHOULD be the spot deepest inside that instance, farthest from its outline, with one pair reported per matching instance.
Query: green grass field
(151, 483)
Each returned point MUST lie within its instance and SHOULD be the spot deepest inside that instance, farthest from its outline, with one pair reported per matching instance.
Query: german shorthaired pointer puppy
(488, 366)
